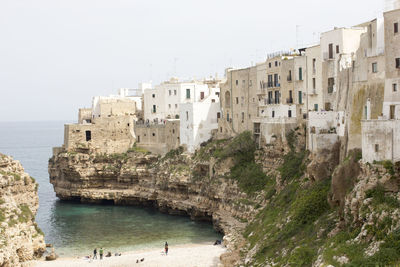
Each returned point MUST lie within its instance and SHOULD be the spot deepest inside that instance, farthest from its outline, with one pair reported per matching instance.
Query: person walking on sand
(166, 248)
(101, 253)
(95, 253)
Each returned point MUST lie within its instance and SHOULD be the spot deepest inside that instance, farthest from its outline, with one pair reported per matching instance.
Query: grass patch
(26, 213)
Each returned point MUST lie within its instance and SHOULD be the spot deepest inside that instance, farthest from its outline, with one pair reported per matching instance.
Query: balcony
(289, 78)
(330, 89)
(289, 100)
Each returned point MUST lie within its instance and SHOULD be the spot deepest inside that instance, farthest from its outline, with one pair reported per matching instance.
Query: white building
(163, 101)
(198, 119)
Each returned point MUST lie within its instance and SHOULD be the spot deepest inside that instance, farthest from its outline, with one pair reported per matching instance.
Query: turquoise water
(75, 229)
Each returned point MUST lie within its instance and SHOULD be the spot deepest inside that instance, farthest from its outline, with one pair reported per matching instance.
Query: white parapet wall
(380, 140)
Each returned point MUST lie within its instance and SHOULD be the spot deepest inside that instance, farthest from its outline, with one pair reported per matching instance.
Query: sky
(55, 55)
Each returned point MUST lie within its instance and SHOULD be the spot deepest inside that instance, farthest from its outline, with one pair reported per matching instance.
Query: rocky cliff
(20, 238)
(277, 205)
(178, 183)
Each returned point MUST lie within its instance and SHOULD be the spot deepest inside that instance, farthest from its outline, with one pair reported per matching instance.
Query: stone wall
(158, 138)
(107, 135)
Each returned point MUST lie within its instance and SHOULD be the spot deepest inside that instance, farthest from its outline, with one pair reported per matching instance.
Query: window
(331, 83)
(88, 135)
(213, 100)
(227, 116)
(173, 131)
(397, 63)
(187, 115)
(153, 95)
(201, 95)
(176, 105)
(138, 138)
(237, 82)
(353, 65)
(237, 100)
(314, 83)
(315, 107)
(276, 63)
(153, 134)
(174, 92)
(300, 97)
(154, 109)
(169, 105)
(374, 67)
(187, 93)
(289, 78)
(243, 83)
(394, 87)
(300, 74)
(314, 65)
(218, 115)
(227, 99)
(170, 92)
(289, 113)
(273, 114)
(396, 27)
(269, 65)
(276, 97)
(392, 111)
(250, 83)
(242, 117)
(330, 51)
(337, 49)
(376, 147)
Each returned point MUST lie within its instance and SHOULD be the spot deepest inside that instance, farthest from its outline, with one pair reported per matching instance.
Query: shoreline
(189, 255)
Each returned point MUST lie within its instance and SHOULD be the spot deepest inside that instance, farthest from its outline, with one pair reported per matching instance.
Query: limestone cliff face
(176, 184)
(20, 238)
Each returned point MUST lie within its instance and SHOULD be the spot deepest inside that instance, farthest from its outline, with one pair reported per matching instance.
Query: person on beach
(166, 248)
(101, 253)
(95, 253)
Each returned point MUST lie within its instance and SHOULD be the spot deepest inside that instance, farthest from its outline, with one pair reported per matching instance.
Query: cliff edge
(20, 238)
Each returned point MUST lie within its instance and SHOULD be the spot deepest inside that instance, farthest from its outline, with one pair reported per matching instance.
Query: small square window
(153, 95)
(394, 86)
(374, 67)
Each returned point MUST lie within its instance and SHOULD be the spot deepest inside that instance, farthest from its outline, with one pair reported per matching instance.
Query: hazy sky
(55, 55)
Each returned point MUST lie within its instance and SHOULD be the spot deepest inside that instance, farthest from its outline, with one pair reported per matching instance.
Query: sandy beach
(201, 255)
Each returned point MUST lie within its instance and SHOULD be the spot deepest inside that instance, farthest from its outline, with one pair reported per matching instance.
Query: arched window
(227, 99)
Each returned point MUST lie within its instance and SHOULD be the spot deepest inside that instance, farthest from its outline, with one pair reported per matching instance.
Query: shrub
(293, 165)
(311, 204)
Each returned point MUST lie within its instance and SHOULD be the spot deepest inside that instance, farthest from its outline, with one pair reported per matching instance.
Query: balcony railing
(330, 89)
(289, 78)
(289, 100)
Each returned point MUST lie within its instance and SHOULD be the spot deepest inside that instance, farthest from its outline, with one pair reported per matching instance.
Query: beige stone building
(238, 98)
(107, 127)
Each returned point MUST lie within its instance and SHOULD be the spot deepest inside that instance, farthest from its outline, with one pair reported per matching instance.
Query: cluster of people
(101, 253)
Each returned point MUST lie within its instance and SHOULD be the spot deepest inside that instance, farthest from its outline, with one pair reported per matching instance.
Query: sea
(76, 229)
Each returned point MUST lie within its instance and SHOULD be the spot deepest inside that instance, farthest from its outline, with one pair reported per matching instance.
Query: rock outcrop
(175, 184)
(20, 238)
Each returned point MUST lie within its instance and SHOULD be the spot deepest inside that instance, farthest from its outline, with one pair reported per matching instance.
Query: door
(392, 109)
(201, 95)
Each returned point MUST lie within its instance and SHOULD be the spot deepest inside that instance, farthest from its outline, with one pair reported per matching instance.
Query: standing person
(95, 253)
(101, 253)
(166, 248)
